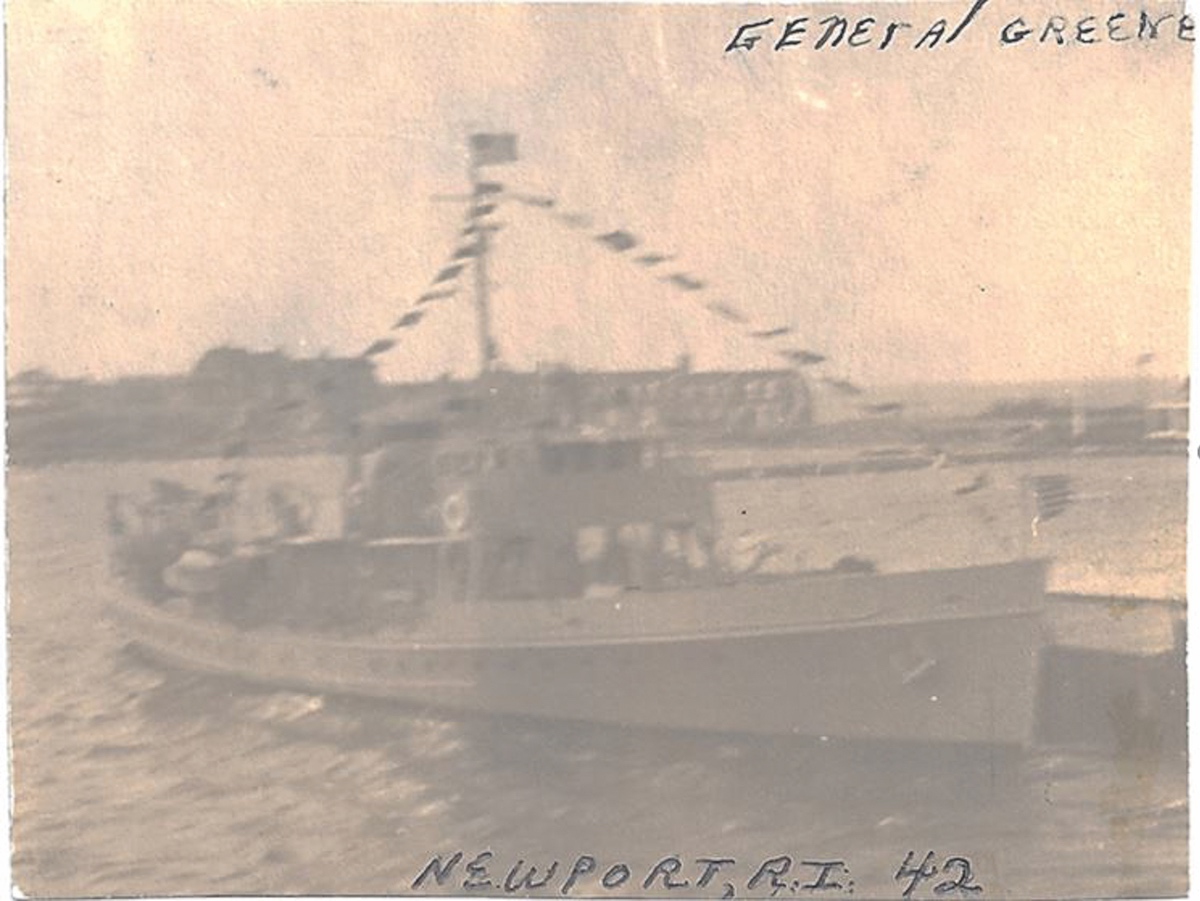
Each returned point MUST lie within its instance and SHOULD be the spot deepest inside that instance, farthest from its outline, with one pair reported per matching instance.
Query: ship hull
(937, 656)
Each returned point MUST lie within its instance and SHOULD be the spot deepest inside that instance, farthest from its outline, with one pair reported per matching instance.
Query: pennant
(383, 344)
(685, 281)
(980, 482)
(544, 203)
(482, 209)
(476, 228)
(493, 149)
(843, 386)
(430, 296)
(484, 188)
(882, 409)
(773, 332)
(726, 312)
(409, 319)
(448, 273)
(467, 251)
(802, 357)
(620, 241)
(653, 259)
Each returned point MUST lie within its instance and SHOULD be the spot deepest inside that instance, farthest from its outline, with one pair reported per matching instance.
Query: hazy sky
(186, 175)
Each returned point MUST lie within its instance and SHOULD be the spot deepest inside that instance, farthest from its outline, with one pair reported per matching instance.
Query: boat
(551, 568)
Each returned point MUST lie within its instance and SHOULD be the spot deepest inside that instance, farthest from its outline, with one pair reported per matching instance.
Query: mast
(483, 311)
(485, 149)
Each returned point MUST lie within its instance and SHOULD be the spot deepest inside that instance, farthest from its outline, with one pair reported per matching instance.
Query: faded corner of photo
(592, 450)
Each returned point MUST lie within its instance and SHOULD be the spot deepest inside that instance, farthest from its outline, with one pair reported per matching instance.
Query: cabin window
(591, 543)
(681, 545)
(602, 559)
(640, 554)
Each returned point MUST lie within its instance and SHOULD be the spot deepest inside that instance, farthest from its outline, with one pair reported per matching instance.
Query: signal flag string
(622, 241)
(490, 195)
(444, 284)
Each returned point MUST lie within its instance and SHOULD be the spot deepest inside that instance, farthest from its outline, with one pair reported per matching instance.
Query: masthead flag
(493, 149)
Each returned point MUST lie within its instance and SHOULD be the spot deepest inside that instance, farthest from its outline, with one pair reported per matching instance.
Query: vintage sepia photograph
(583, 450)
